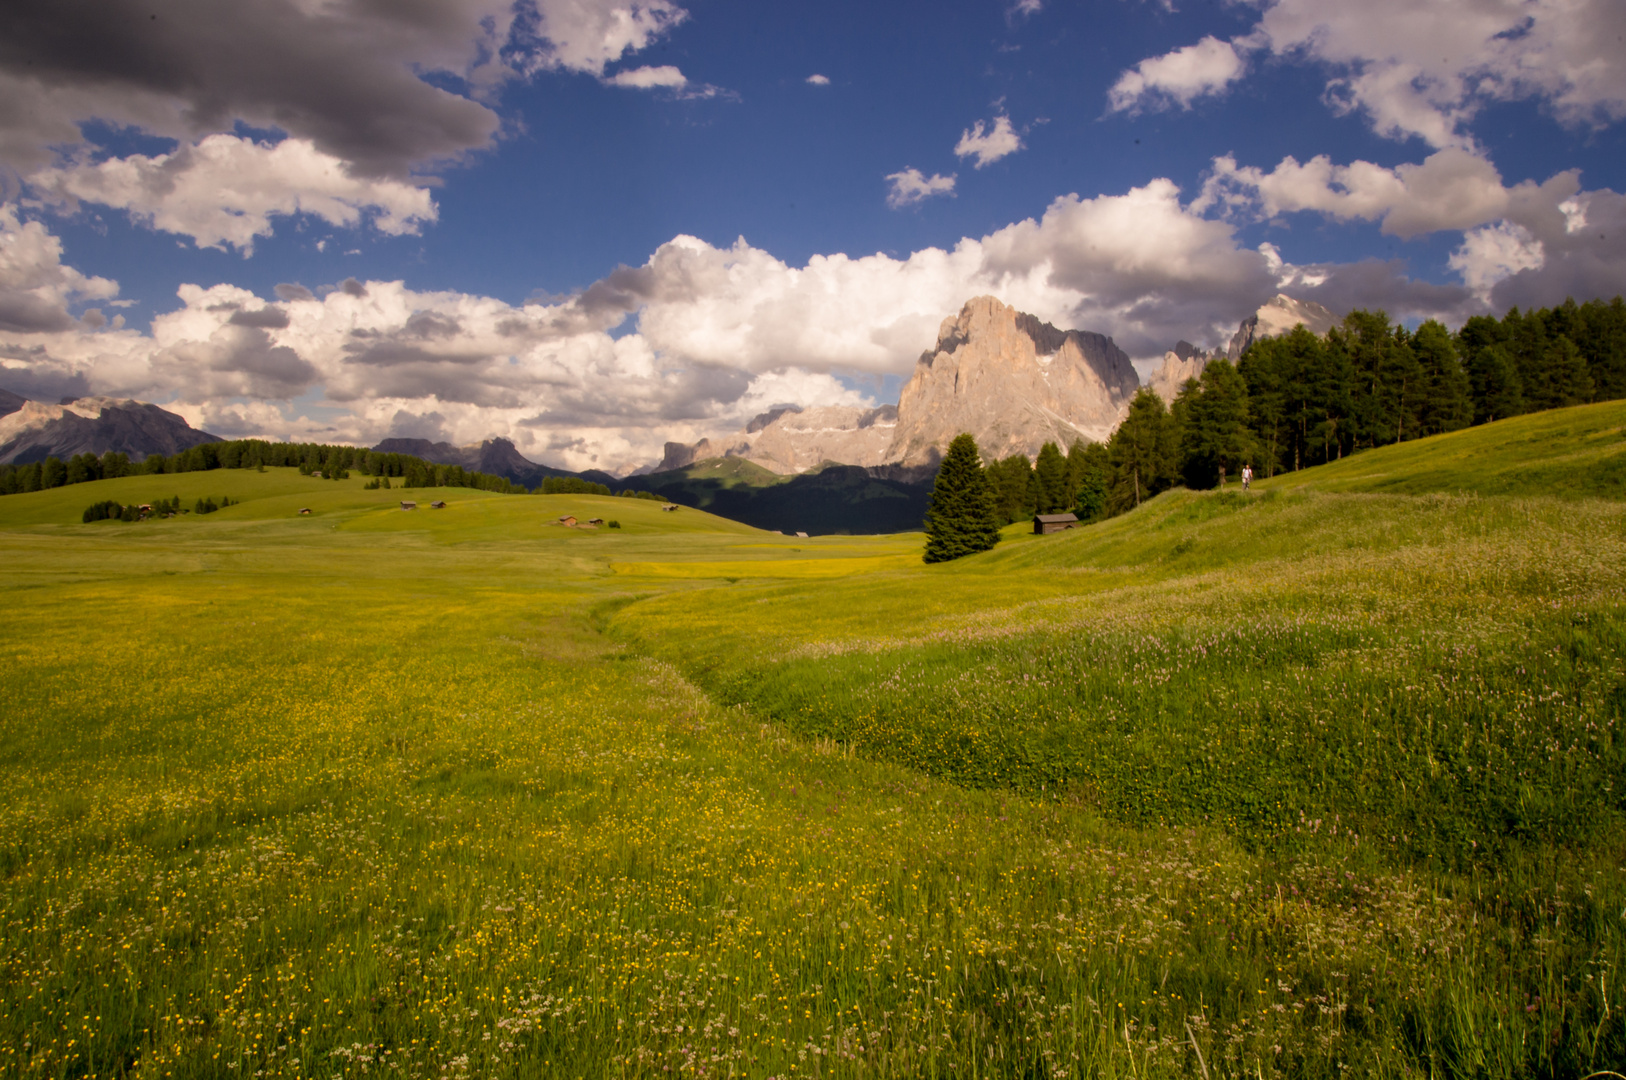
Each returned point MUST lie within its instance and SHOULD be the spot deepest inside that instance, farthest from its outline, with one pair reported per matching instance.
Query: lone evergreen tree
(962, 519)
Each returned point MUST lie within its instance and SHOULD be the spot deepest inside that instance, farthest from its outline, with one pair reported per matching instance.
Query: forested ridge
(329, 461)
(1299, 400)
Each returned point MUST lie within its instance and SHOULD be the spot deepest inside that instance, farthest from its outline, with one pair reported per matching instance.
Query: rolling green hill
(1570, 453)
(1315, 782)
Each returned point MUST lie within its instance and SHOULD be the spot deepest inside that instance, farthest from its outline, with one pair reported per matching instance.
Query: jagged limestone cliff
(1013, 382)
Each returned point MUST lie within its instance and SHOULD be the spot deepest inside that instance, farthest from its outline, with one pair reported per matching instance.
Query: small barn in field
(1044, 524)
(568, 521)
(595, 522)
(407, 505)
(304, 509)
(438, 504)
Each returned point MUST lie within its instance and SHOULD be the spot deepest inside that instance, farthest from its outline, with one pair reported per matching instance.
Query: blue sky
(593, 225)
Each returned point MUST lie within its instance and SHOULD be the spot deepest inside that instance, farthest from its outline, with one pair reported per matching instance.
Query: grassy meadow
(1323, 781)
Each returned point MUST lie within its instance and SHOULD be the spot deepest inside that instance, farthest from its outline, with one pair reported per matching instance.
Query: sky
(592, 226)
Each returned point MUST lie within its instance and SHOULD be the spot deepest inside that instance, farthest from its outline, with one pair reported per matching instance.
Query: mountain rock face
(1279, 315)
(1014, 383)
(802, 439)
(791, 439)
(1184, 361)
(682, 455)
(33, 431)
(10, 403)
(494, 457)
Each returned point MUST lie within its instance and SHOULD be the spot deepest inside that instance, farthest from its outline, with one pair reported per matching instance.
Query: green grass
(1311, 783)
(1565, 453)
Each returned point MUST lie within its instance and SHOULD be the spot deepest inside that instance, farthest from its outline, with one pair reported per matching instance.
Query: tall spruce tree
(1268, 369)
(1565, 379)
(1012, 481)
(1094, 470)
(1078, 459)
(1602, 340)
(1051, 473)
(1493, 378)
(1447, 404)
(962, 519)
(1140, 452)
(1215, 439)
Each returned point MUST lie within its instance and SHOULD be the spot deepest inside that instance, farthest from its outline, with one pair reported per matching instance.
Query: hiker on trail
(1247, 476)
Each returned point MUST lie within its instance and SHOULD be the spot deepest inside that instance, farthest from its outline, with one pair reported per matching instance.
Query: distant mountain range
(32, 431)
(495, 457)
(1009, 379)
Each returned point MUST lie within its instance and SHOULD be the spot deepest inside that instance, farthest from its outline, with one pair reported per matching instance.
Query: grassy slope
(1571, 453)
(294, 792)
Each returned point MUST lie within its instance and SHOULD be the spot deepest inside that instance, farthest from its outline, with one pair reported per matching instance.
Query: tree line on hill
(109, 510)
(1297, 401)
(1294, 402)
(332, 462)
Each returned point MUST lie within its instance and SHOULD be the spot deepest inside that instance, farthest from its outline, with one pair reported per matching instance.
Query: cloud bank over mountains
(284, 110)
(718, 334)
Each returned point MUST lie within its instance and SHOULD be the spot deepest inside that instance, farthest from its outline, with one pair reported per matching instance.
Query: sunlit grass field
(1318, 782)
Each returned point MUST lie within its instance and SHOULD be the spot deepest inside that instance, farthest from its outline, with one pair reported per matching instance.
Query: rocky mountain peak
(1014, 382)
(35, 430)
(1277, 316)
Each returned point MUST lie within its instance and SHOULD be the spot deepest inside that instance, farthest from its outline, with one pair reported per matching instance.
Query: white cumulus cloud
(1495, 252)
(226, 190)
(589, 35)
(1179, 77)
(699, 337)
(990, 144)
(911, 186)
(649, 78)
(1418, 68)
(1452, 189)
(818, 80)
(35, 286)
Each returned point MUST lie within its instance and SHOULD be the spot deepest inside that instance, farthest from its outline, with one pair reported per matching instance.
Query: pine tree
(1446, 405)
(962, 519)
(1268, 368)
(1565, 380)
(1493, 380)
(1094, 471)
(1140, 452)
(1216, 440)
(1402, 389)
(1051, 473)
(1525, 338)
(1078, 459)
(1602, 340)
(1011, 481)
